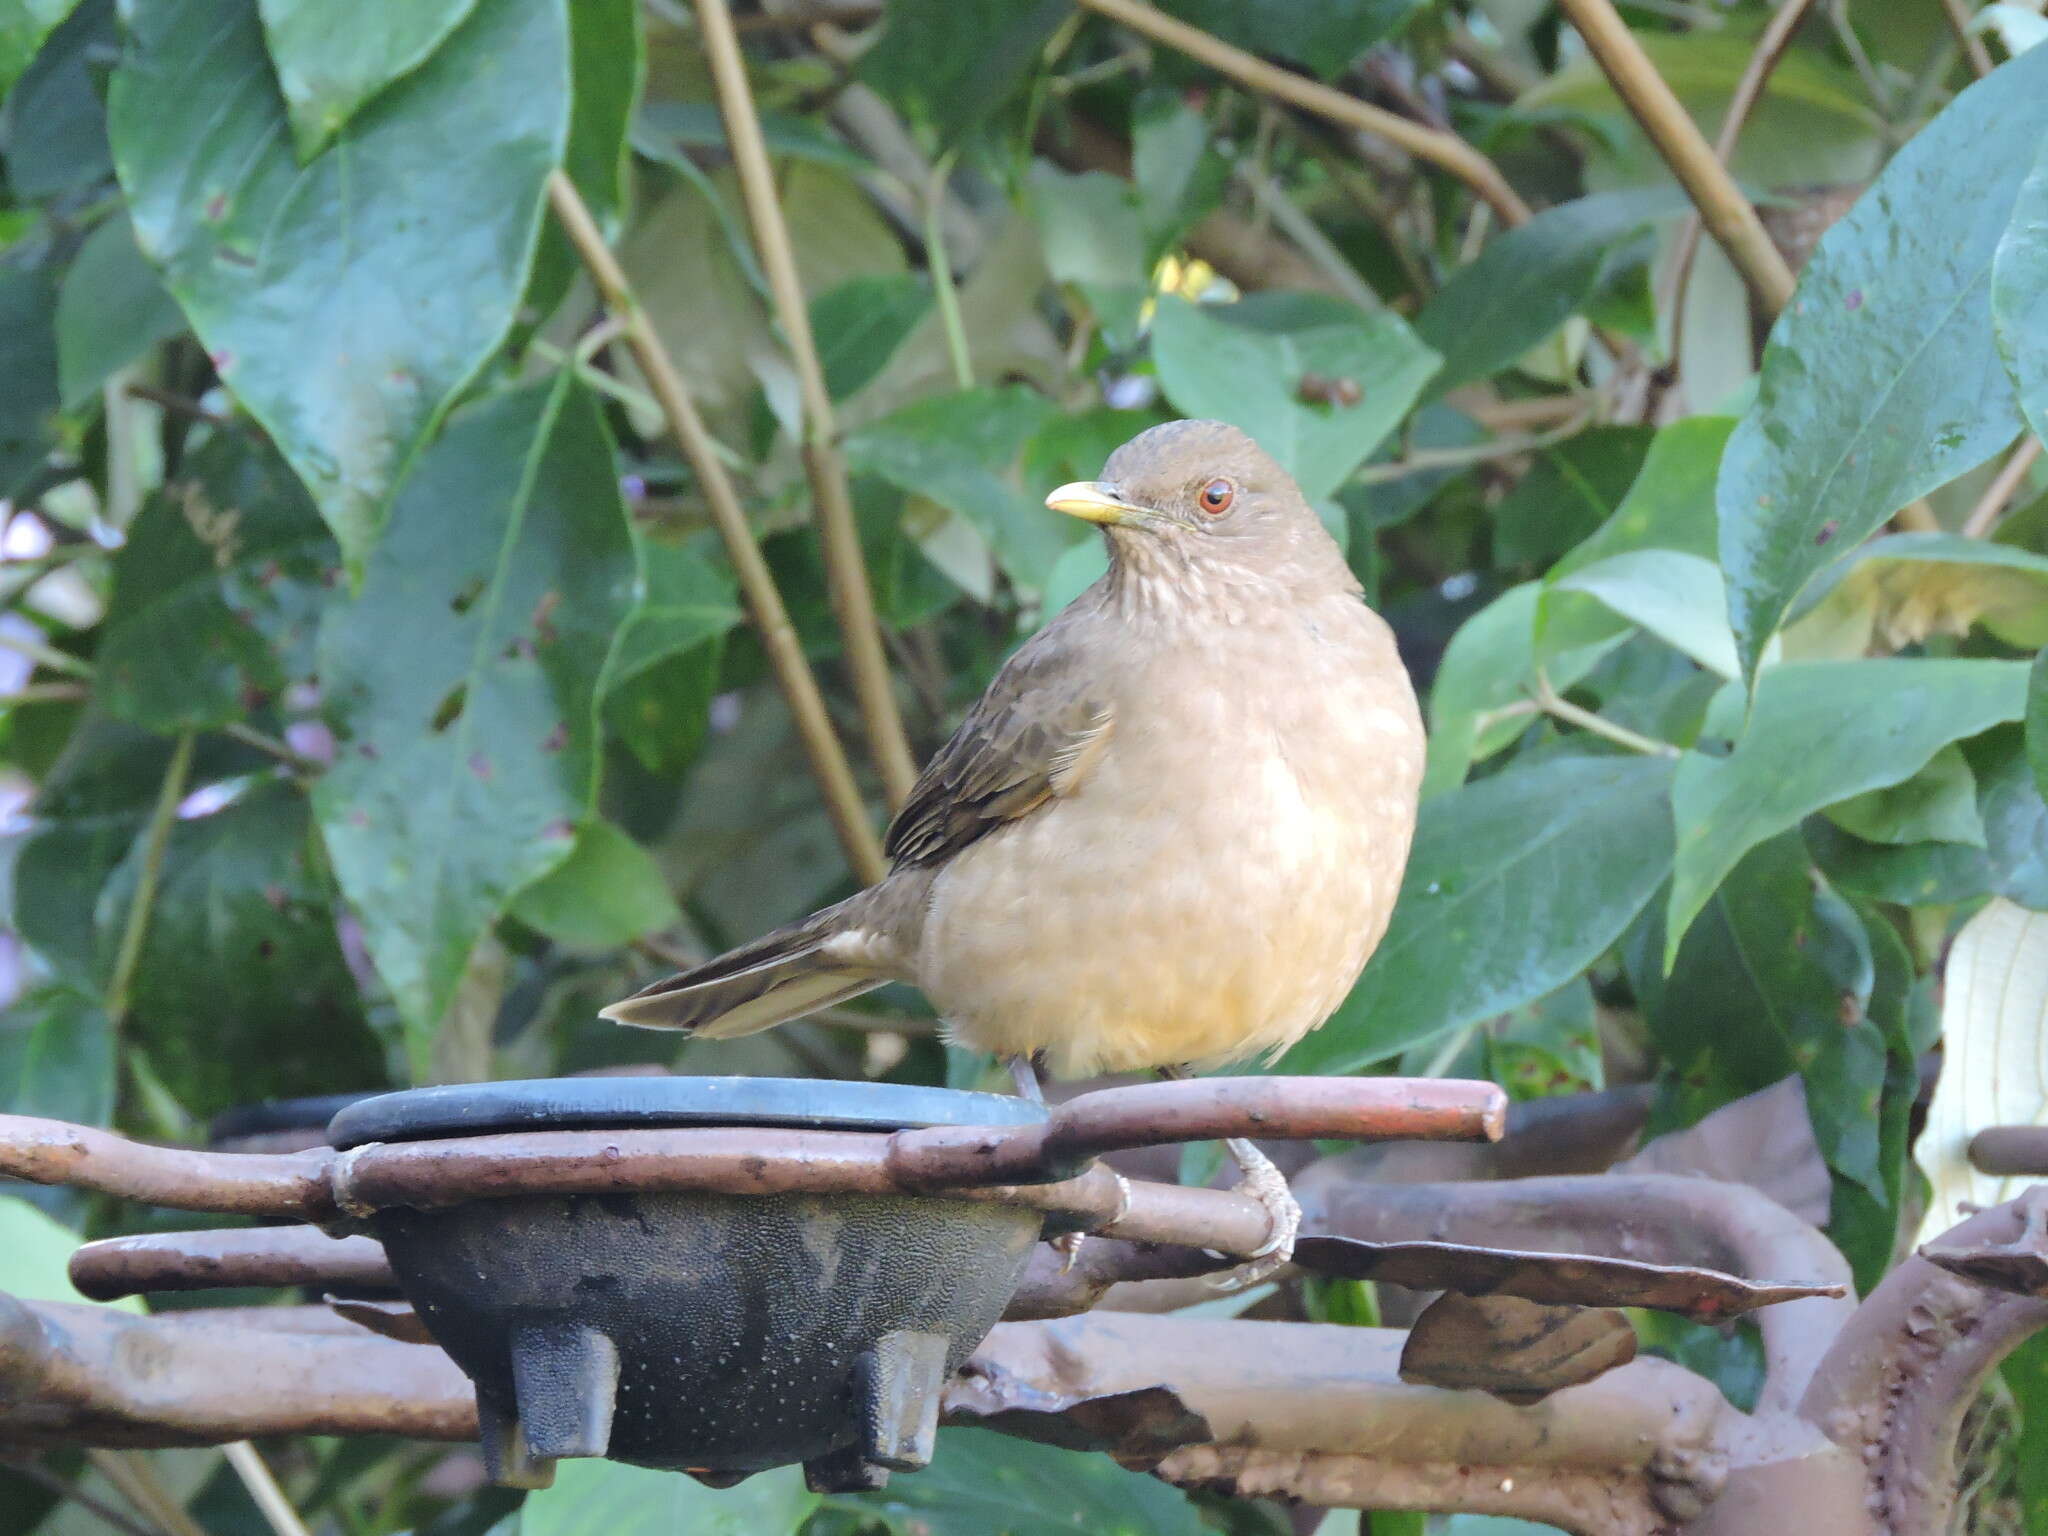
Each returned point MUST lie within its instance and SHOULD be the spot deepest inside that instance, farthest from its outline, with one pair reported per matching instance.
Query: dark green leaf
(2019, 291)
(1529, 280)
(111, 310)
(662, 128)
(348, 348)
(658, 679)
(2026, 1373)
(2015, 817)
(28, 362)
(1570, 492)
(56, 124)
(1094, 239)
(1910, 875)
(1326, 35)
(2037, 721)
(463, 684)
(984, 1484)
(1515, 885)
(332, 59)
(608, 892)
(1881, 380)
(57, 1057)
(1175, 166)
(242, 993)
(1245, 363)
(606, 1498)
(1670, 505)
(960, 450)
(216, 592)
(1774, 977)
(1817, 733)
(860, 324)
(23, 26)
(951, 64)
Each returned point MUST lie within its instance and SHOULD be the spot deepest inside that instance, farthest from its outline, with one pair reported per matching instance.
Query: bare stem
(1559, 707)
(1444, 150)
(154, 841)
(44, 655)
(134, 1478)
(1991, 505)
(1423, 459)
(1726, 212)
(846, 576)
(939, 263)
(263, 1489)
(1972, 42)
(757, 584)
(1763, 59)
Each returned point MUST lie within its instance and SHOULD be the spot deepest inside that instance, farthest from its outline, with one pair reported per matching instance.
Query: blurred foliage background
(377, 698)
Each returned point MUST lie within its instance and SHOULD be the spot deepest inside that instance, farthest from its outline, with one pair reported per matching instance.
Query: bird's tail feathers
(780, 976)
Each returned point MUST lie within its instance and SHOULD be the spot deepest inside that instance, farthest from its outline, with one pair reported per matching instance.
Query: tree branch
(1726, 212)
(785, 654)
(846, 576)
(1972, 42)
(1446, 151)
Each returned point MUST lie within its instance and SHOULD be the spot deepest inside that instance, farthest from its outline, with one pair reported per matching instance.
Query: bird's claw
(1068, 1244)
(1266, 1184)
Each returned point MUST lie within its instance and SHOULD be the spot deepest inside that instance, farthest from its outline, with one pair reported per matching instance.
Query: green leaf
(658, 679)
(2019, 291)
(960, 450)
(607, 1498)
(607, 893)
(56, 128)
(662, 128)
(23, 26)
(2037, 721)
(1175, 166)
(1819, 732)
(951, 64)
(984, 1484)
(1569, 493)
(331, 60)
(1881, 380)
(216, 592)
(347, 301)
(2026, 1374)
(1774, 978)
(1899, 589)
(35, 1256)
(1936, 805)
(463, 685)
(1515, 885)
(1679, 598)
(1326, 35)
(1244, 363)
(111, 310)
(28, 361)
(860, 323)
(2015, 817)
(1907, 875)
(1670, 504)
(1094, 239)
(1531, 279)
(57, 1057)
(241, 993)
(1489, 667)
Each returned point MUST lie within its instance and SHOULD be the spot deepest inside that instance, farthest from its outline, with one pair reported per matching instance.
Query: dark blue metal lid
(618, 1103)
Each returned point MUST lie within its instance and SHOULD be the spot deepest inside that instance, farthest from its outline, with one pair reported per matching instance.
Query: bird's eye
(1216, 497)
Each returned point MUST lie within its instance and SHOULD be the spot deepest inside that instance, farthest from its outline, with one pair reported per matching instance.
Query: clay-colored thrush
(1172, 830)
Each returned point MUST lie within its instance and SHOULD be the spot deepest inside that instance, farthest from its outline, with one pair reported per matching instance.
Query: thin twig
(136, 929)
(939, 264)
(43, 1477)
(1553, 703)
(178, 405)
(1770, 47)
(1972, 40)
(785, 654)
(1728, 215)
(45, 693)
(1477, 453)
(135, 1479)
(44, 655)
(263, 1490)
(1445, 150)
(846, 575)
(262, 741)
(1984, 516)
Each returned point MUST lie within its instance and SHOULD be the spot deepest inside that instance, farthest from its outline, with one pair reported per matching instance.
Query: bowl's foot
(506, 1461)
(897, 1385)
(845, 1470)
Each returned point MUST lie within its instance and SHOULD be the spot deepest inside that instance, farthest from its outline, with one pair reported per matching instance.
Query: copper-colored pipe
(229, 1183)
(199, 1261)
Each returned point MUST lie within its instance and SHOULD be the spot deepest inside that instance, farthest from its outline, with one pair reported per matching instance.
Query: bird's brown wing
(1033, 736)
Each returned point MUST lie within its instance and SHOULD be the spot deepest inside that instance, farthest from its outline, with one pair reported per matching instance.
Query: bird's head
(1203, 494)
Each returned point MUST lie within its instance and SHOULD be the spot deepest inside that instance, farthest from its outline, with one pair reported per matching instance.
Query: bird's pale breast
(1214, 887)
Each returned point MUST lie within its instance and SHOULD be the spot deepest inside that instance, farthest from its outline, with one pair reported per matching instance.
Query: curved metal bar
(199, 1261)
(287, 1185)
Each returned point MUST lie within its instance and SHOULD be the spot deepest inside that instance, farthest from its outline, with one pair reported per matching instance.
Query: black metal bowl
(710, 1333)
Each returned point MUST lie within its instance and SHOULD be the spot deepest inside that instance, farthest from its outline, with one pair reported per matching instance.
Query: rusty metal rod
(2011, 1151)
(200, 1261)
(227, 1183)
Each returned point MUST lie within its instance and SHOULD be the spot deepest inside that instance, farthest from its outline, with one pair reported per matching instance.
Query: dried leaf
(1520, 1351)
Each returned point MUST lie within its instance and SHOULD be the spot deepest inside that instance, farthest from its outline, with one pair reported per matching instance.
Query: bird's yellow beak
(1094, 501)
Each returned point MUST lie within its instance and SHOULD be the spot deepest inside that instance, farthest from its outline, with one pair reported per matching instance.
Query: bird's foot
(1068, 1244)
(1266, 1184)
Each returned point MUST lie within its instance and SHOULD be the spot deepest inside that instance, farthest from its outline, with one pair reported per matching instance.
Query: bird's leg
(1024, 1073)
(1265, 1183)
